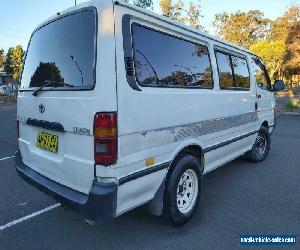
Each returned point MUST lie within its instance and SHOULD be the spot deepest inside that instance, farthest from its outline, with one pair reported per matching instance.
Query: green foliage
(241, 28)
(17, 61)
(8, 61)
(2, 58)
(276, 41)
(171, 10)
(291, 71)
(293, 36)
(293, 104)
(141, 3)
(46, 71)
(14, 61)
(272, 52)
(194, 15)
(177, 12)
(281, 27)
(293, 43)
(287, 28)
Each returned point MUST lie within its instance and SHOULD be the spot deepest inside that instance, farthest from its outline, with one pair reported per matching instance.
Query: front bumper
(100, 202)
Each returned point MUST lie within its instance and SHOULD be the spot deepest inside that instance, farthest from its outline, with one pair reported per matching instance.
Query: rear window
(162, 60)
(62, 53)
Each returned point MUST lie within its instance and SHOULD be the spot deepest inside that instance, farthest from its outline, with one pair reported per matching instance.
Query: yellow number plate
(47, 141)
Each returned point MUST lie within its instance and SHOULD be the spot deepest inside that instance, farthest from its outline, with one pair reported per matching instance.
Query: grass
(293, 104)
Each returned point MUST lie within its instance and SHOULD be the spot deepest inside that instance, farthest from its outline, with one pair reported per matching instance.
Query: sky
(20, 17)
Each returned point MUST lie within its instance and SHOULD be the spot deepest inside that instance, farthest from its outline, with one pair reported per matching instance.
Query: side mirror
(278, 85)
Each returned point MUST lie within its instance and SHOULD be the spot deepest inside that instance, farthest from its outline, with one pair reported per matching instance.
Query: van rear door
(56, 97)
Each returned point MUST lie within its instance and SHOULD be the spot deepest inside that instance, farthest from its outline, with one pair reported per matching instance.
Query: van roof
(183, 26)
(65, 11)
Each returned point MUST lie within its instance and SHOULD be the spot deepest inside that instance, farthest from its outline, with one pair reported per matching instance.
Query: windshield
(63, 53)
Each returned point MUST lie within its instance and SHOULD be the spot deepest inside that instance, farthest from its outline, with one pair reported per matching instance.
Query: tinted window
(63, 53)
(225, 70)
(261, 75)
(241, 72)
(164, 60)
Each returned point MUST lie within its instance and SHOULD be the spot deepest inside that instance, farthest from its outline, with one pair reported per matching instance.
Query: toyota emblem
(42, 108)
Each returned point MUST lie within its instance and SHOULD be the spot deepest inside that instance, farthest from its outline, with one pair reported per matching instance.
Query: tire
(183, 190)
(258, 152)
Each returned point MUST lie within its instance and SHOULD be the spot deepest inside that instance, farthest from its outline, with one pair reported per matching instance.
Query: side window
(241, 72)
(233, 71)
(262, 79)
(225, 70)
(161, 60)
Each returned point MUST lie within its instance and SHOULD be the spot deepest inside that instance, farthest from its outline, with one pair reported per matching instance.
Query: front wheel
(183, 190)
(261, 146)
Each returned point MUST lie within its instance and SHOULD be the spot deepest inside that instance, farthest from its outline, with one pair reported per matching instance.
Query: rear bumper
(100, 202)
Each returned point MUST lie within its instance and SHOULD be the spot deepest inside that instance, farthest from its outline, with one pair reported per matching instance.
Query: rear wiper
(47, 83)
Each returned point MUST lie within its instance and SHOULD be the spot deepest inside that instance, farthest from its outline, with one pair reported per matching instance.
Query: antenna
(75, 2)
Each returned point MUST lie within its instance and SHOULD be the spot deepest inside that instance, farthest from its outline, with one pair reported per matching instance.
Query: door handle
(256, 106)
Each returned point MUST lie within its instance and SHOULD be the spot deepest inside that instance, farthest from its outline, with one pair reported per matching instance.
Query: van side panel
(157, 122)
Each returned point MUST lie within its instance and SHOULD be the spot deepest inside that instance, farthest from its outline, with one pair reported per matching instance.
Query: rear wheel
(261, 146)
(183, 190)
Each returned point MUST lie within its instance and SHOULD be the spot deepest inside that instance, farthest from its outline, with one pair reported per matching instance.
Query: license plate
(47, 141)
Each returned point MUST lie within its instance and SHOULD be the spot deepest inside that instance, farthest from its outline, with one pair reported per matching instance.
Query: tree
(293, 43)
(273, 53)
(46, 71)
(1, 58)
(242, 28)
(17, 61)
(194, 16)
(281, 27)
(14, 61)
(291, 72)
(8, 67)
(172, 10)
(177, 12)
(287, 28)
(166, 8)
(141, 3)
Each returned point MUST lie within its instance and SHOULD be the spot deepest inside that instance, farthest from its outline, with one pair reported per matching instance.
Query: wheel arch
(193, 148)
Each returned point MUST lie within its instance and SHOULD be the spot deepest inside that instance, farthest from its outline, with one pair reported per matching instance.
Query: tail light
(18, 129)
(105, 138)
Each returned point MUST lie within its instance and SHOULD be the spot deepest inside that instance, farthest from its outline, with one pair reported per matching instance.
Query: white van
(119, 107)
